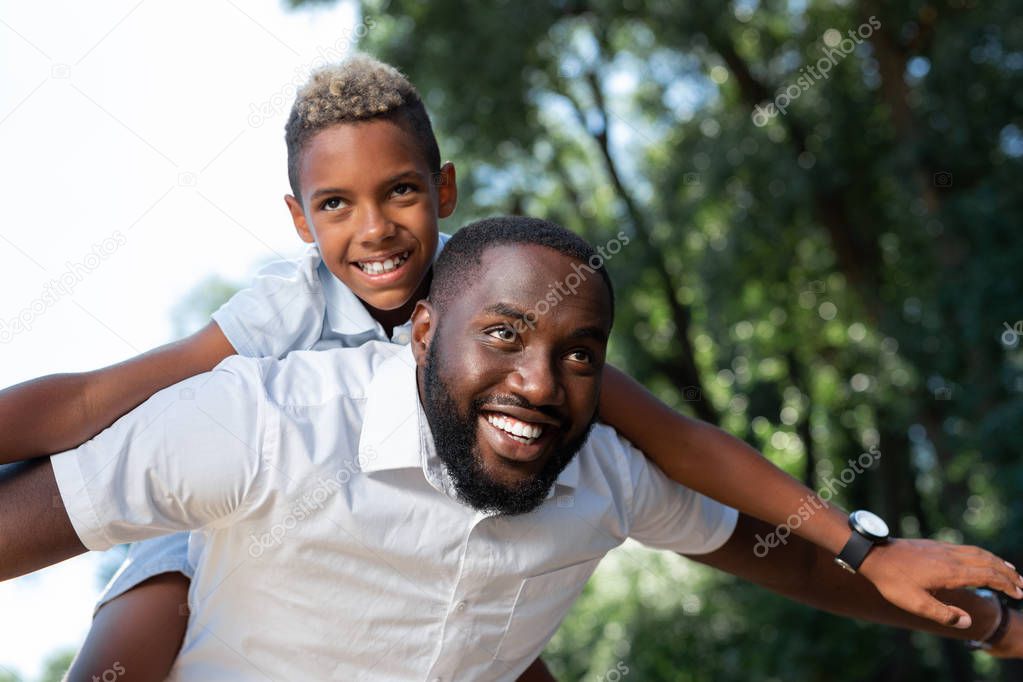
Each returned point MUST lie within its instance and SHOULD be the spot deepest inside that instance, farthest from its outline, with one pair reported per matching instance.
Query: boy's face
(370, 203)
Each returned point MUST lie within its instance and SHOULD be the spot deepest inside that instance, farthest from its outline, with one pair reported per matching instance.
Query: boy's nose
(374, 226)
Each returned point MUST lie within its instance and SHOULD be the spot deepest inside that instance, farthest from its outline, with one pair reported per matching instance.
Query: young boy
(368, 188)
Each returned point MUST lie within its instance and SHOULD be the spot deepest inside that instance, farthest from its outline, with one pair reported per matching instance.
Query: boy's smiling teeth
(376, 267)
(521, 431)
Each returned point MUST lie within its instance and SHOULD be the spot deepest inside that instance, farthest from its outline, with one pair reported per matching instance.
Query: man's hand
(1011, 645)
(907, 572)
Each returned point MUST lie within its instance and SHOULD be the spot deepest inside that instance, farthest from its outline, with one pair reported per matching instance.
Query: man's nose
(537, 380)
(374, 225)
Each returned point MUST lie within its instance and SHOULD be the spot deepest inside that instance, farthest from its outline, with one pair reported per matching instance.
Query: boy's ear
(423, 325)
(447, 190)
(298, 217)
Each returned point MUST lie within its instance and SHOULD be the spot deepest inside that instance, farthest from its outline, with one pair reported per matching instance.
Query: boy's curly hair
(358, 89)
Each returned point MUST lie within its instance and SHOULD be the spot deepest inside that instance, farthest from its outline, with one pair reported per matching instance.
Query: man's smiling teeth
(376, 267)
(519, 430)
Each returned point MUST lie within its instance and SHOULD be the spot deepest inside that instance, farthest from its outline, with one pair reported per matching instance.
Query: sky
(142, 152)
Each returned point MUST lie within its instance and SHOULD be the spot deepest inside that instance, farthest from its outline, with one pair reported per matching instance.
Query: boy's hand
(1011, 645)
(907, 572)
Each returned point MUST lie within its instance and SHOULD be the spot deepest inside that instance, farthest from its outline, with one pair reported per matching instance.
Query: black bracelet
(999, 632)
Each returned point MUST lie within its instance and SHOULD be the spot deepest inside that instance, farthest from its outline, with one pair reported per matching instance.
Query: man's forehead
(537, 278)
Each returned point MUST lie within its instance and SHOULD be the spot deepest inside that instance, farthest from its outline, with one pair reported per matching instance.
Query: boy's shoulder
(307, 378)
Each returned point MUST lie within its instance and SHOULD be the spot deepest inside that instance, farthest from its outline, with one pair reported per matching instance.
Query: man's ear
(447, 190)
(298, 217)
(423, 325)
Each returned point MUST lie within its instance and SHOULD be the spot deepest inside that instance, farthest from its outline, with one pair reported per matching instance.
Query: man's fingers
(984, 575)
(930, 608)
(924, 605)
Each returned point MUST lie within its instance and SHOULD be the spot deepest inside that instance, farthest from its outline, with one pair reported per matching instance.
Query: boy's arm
(710, 461)
(60, 411)
(808, 574)
(189, 457)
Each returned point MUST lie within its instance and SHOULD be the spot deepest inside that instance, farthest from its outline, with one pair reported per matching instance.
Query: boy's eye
(506, 334)
(332, 204)
(403, 189)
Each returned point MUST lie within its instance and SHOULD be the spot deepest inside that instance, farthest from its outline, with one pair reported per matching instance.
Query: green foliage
(837, 278)
(56, 665)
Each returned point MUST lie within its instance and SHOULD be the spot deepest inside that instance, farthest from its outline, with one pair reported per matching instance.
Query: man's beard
(456, 443)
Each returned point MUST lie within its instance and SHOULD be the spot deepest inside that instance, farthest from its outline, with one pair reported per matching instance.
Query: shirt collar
(395, 432)
(346, 314)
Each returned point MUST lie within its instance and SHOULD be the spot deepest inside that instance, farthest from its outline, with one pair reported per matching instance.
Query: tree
(818, 280)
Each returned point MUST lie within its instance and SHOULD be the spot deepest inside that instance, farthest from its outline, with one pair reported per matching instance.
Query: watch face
(870, 523)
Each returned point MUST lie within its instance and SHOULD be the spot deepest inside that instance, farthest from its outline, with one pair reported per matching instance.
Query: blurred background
(824, 252)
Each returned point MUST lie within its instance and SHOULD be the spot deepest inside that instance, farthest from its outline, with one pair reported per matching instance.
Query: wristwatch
(868, 529)
(1000, 629)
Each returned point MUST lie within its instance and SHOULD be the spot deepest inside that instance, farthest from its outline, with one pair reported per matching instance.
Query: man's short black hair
(461, 257)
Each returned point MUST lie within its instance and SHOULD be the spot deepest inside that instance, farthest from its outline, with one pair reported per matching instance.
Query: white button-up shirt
(334, 545)
(292, 305)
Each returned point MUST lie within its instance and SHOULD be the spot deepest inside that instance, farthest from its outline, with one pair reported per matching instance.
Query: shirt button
(402, 338)
(460, 606)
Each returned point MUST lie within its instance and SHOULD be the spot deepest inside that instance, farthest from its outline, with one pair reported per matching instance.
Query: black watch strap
(854, 552)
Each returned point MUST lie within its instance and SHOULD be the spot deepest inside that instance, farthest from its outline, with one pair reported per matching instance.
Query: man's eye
(403, 189)
(332, 204)
(581, 356)
(503, 334)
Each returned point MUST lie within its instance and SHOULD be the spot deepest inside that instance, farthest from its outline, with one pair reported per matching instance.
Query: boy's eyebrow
(408, 174)
(411, 173)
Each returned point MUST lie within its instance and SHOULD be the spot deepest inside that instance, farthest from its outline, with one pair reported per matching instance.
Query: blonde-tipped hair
(358, 89)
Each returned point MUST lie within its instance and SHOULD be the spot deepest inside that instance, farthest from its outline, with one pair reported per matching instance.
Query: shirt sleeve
(187, 458)
(667, 515)
(282, 311)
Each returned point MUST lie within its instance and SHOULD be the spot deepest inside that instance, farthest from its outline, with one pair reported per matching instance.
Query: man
(432, 513)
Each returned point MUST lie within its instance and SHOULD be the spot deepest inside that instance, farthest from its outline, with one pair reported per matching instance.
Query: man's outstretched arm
(808, 574)
(35, 530)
